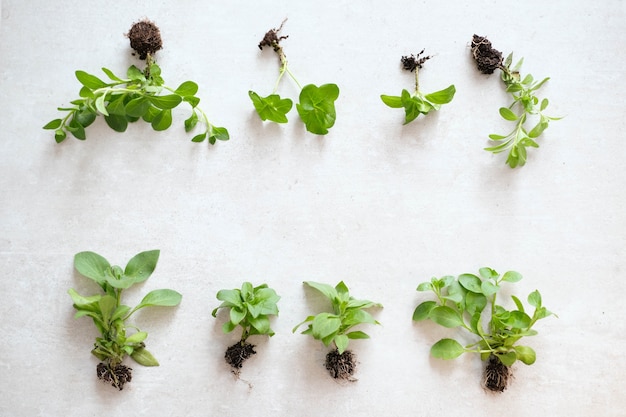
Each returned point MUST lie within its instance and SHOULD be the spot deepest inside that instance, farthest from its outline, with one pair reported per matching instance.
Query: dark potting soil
(487, 58)
(145, 38)
(341, 366)
(272, 39)
(237, 354)
(117, 376)
(496, 375)
(410, 63)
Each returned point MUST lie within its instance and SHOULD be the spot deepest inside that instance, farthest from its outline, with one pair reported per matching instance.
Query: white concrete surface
(374, 203)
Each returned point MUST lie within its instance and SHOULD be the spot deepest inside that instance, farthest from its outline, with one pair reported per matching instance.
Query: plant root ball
(145, 38)
(496, 376)
(487, 58)
(237, 354)
(341, 366)
(117, 376)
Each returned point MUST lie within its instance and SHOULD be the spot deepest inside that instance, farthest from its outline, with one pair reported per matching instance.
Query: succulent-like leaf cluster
(347, 312)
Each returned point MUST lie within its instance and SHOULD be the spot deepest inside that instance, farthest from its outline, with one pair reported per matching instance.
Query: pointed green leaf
(446, 316)
(471, 283)
(443, 96)
(188, 88)
(116, 122)
(511, 276)
(392, 101)
(137, 107)
(90, 81)
(327, 290)
(91, 265)
(341, 341)
(136, 338)
(508, 114)
(357, 335)
(422, 311)
(141, 266)
(447, 349)
(143, 357)
(272, 107)
(54, 124)
(534, 299)
(166, 102)
(112, 76)
(161, 298)
(163, 120)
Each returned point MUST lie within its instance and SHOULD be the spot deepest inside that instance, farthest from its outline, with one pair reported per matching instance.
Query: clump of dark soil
(341, 366)
(237, 354)
(117, 375)
(145, 38)
(410, 63)
(487, 58)
(272, 39)
(496, 375)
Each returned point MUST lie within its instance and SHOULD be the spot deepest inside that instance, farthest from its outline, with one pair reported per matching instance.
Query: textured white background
(380, 205)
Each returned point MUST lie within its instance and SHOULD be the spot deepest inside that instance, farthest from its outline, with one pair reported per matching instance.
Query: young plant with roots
(141, 94)
(249, 308)
(468, 302)
(417, 103)
(336, 328)
(316, 105)
(525, 106)
(111, 317)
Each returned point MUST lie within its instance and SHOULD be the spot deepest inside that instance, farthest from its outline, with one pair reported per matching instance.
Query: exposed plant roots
(272, 39)
(487, 58)
(145, 38)
(341, 366)
(410, 63)
(117, 376)
(237, 354)
(496, 376)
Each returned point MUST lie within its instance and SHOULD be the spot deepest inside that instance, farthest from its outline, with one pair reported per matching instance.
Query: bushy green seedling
(336, 327)
(525, 105)
(418, 103)
(249, 308)
(141, 94)
(316, 105)
(111, 317)
(467, 302)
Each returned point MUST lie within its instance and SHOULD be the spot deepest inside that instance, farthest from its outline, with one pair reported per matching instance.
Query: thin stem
(417, 84)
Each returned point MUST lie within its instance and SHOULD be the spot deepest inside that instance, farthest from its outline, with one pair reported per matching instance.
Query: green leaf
(192, 100)
(422, 311)
(219, 133)
(83, 302)
(90, 81)
(327, 290)
(357, 335)
(525, 354)
(112, 76)
(317, 107)
(85, 117)
(518, 320)
(77, 129)
(471, 283)
(489, 288)
(186, 89)
(474, 302)
(143, 357)
(534, 299)
(107, 305)
(135, 74)
(518, 303)
(117, 105)
(166, 102)
(446, 316)
(425, 286)
(443, 96)
(261, 325)
(231, 298)
(272, 107)
(392, 101)
(191, 122)
(199, 138)
(508, 359)
(60, 135)
(163, 120)
(91, 265)
(544, 104)
(325, 324)
(141, 266)
(54, 124)
(508, 114)
(341, 341)
(236, 315)
(447, 349)
(161, 298)
(116, 122)
(136, 338)
(511, 276)
(137, 107)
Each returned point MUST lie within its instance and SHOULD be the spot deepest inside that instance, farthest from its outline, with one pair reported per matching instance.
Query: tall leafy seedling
(417, 103)
(468, 302)
(250, 309)
(336, 328)
(111, 317)
(316, 105)
(140, 94)
(526, 107)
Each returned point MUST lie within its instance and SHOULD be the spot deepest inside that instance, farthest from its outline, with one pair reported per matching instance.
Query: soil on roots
(341, 366)
(145, 38)
(272, 39)
(117, 376)
(237, 354)
(496, 376)
(487, 58)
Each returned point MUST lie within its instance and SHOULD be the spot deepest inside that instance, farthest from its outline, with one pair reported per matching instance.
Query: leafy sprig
(110, 316)
(417, 103)
(468, 301)
(249, 308)
(347, 312)
(140, 95)
(316, 106)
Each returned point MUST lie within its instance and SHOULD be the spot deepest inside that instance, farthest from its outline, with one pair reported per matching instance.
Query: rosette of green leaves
(108, 314)
(347, 312)
(468, 301)
(141, 95)
(418, 103)
(525, 104)
(249, 308)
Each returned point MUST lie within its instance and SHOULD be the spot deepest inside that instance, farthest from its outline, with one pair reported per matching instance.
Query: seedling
(110, 316)
(249, 308)
(335, 328)
(418, 103)
(467, 302)
(525, 102)
(142, 94)
(316, 105)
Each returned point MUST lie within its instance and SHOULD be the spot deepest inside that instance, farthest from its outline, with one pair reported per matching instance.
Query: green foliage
(317, 107)
(467, 301)
(141, 95)
(418, 103)
(249, 308)
(109, 315)
(347, 312)
(525, 104)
